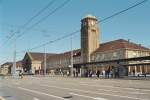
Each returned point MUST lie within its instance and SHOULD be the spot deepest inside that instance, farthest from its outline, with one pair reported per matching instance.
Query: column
(135, 69)
(82, 71)
(141, 69)
(129, 69)
(146, 69)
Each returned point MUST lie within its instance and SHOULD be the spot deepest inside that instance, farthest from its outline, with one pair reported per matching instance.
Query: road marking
(87, 82)
(139, 93)
(42, 79)
(17, 83)
(97, 98)
(92, 92)
(1, 98)
(135, 89)
(84, 83)
(117, 87)
(109, 90)
(124, 91)
(35, 98)
(41, 93)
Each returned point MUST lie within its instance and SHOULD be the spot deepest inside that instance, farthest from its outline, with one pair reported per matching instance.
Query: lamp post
(45, 54)
(45, 60)
(14, 61)
(71, 60)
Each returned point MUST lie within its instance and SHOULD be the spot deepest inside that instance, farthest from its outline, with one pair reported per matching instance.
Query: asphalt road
(64, 88)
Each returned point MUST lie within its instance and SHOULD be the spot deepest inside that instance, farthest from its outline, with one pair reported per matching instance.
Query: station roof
(119, 44)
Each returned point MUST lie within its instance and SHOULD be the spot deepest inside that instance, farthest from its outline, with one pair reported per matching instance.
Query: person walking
(86, 73)
(133, 72)
(116, 72)
(76, 73)
(103, 73)
(67, 73)
(98, 73)
(108, 72)
(90, 73)
(20, 74)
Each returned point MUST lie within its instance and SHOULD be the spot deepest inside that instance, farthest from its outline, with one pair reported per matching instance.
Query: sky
(133, 24)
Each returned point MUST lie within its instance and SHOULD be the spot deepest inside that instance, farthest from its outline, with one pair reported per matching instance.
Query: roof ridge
(115, 41)
(119, 44)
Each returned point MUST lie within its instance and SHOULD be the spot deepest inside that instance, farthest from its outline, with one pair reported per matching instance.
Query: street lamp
(71, 60)
(45, 54)
(45, 60)
(13, 69)
(14, 61)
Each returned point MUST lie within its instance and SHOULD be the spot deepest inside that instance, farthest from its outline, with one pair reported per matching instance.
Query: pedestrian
(108, 72)
(103, 73)
(98, 73)
(86, 73)
(116, 72)
(144, 74)
(76, 73)
(113, 72)
(63, 73)
(133, 72)
(90, 73)
(67, 73)
(20, 74)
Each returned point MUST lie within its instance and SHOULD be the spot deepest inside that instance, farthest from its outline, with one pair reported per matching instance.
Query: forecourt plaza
(67, 88)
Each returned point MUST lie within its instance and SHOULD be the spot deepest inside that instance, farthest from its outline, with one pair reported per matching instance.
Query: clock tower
(89, 37)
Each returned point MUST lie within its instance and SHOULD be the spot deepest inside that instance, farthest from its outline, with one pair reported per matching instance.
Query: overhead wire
(122, 11)
(72, 33)
(30, 20)
(44, 18)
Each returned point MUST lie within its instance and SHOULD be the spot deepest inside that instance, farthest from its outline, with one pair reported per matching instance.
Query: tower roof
(89, 16)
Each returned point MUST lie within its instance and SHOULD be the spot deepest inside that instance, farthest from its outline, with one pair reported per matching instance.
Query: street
(67, 88)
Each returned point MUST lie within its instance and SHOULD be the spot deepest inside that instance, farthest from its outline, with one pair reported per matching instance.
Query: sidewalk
(94, 77)
(137, 78)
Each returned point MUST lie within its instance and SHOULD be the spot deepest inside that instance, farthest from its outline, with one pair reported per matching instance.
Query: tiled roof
(112, 45)
(39, 56)
(7, 63)
(66, 55)
(119, 44)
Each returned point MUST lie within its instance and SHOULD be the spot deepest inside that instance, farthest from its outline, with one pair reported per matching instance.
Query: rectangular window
(93, 30)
